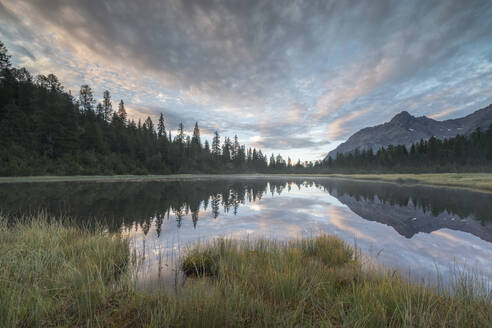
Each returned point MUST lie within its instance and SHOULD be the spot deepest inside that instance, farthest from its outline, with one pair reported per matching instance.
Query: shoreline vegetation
(473, 181)
(54, 274)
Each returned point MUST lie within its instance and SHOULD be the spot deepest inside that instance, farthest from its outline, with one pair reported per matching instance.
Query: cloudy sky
(291, 77)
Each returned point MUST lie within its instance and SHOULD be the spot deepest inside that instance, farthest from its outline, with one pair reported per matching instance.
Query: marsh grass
(320, 282)
(472, 181)
(56, 275)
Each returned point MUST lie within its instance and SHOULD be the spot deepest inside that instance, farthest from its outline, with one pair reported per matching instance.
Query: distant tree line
(470, 153)
(461, 153)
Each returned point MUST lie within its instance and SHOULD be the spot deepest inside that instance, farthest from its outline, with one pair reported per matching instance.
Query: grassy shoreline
(57, 275)
(472, 181)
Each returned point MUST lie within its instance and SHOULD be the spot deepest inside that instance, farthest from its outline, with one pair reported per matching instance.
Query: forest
(45, 130)
(472, 153)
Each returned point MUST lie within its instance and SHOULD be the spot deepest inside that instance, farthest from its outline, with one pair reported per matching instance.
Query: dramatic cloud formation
(295, 77)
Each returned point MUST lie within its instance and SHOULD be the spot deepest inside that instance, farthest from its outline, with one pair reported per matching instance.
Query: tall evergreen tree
(196, 136)
(107, 106)
(180, 138)
(100, 110)
(122, 112)
(226, 150)
(149, 125)
(161, 127)
(206, 147)
(86, 98)
(216, 146)
(236, 148)
(272, 164)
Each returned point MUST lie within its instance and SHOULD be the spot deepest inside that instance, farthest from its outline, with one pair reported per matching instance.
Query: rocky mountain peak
(405, 129)
(402, 118)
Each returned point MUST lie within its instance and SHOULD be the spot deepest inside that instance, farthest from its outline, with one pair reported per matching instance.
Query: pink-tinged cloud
(443, 113)
(338, 128)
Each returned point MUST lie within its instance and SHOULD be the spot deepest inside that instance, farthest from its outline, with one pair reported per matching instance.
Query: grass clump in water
(315, 282)
(200, 264)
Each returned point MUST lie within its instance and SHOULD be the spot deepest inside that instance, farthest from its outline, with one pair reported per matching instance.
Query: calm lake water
(417, 230)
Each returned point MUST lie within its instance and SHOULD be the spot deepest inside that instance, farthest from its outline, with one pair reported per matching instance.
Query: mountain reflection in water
(411, 227)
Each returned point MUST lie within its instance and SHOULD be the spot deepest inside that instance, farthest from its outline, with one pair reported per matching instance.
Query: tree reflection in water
(146, 204)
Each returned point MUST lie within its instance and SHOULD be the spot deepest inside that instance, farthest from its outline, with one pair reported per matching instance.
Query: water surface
(414, 229)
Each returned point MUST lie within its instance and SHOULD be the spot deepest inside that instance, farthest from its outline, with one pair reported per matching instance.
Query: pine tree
(49, 82)
(236, 148)
(226, 150)
(149, 125)
(107, 106)
(180, 138)
(86, 98)
(196, 136)
(216, 146)
(206, 147)
(272, 164)
(100, 110)
(161, 128)
(122, 112)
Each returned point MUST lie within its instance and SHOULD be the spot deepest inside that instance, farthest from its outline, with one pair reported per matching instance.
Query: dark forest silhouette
(44, 130)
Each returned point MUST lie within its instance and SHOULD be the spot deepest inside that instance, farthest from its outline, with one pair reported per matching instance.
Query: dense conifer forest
(45, 130)
(458, 154)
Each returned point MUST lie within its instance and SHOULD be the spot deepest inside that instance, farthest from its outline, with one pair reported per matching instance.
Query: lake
(416, 229)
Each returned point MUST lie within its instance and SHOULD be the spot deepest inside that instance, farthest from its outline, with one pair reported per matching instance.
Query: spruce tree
(272, 163)
(180, 138)
(236, 148)
(86, 98)
(122, 112)
(196, 136)
(107, 106)
(149, 125)
(216, 146)
(161, 128)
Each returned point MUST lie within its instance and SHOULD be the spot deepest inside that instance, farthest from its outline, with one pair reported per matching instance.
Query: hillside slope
(405, 129)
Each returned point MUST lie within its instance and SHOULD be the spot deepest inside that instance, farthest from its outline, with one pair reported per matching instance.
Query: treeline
(470, 153)
(45, 130)
(461, 153)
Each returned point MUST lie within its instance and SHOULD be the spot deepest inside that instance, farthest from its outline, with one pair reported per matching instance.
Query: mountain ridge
(406, 129)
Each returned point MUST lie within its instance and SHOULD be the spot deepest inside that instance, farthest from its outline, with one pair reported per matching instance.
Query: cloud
(338, 127)
(350, 84)
(289, 72)
(443, 113)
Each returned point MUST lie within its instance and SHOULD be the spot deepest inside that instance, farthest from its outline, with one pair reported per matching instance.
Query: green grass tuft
(200, 264)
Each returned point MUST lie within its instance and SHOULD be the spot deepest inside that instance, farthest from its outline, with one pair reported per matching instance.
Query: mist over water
(417, 230)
